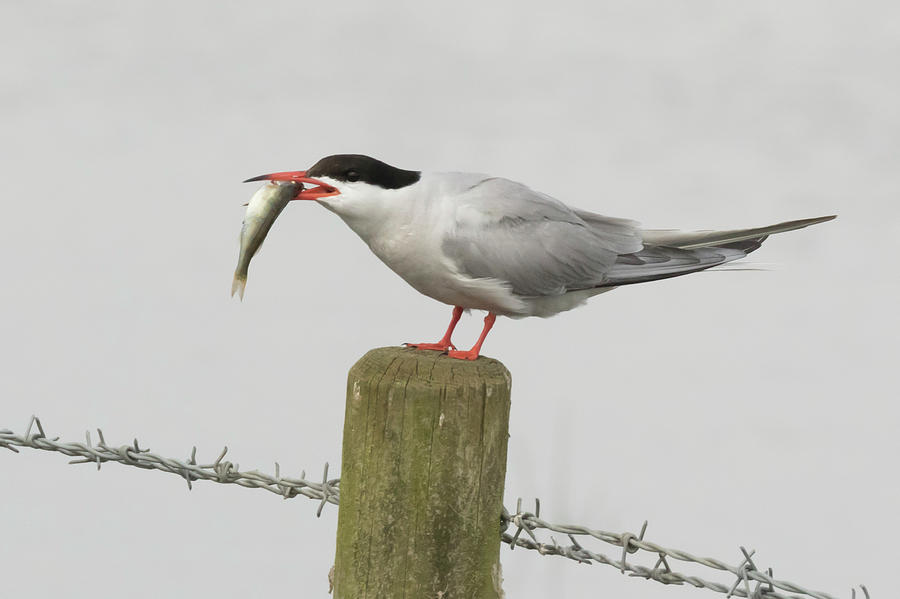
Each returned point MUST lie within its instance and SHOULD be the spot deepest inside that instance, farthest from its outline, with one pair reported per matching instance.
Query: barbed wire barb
(328, 492)
(220, 471)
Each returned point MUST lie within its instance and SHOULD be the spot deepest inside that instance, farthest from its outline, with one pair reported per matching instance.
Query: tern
(474, 241)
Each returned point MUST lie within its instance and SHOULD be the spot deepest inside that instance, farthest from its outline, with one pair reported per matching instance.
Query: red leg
(444, 344)
(472, 354)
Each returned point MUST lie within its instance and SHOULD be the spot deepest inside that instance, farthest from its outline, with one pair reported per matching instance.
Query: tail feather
(674, 253)
(688, 240)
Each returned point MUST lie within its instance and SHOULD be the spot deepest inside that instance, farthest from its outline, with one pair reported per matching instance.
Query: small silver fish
(262, 210)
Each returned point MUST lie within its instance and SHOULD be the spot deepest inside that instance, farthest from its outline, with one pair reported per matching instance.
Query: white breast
(405, 228)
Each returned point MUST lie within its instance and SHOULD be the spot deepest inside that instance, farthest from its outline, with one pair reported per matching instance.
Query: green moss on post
(424, 462)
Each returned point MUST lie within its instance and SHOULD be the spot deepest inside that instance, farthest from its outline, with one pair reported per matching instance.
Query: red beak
(321, 189)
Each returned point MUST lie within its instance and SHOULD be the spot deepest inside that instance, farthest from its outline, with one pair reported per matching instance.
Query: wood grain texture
(423, 468)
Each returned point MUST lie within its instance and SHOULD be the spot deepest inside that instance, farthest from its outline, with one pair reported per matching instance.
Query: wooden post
(422, 473)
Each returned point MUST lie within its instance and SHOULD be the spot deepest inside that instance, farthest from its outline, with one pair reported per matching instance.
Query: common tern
(474, 241)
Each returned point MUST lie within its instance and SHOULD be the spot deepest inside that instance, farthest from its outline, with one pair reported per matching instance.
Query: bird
(480, 242)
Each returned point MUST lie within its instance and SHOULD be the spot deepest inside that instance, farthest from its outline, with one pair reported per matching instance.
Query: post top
(434, 366)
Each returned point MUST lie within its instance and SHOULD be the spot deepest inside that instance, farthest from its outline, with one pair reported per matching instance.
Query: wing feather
(540, 247)
(696, 239)
(532, 242)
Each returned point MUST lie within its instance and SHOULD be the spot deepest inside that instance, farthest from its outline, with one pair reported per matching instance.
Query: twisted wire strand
(220, 471)
(749, 582)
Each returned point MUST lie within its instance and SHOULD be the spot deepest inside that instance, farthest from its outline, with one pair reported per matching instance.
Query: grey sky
(754, 408)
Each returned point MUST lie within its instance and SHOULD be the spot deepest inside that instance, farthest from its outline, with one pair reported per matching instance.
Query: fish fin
(238, 286)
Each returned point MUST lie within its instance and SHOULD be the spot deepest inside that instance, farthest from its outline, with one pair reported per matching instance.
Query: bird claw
(463, 355)
(443, 347)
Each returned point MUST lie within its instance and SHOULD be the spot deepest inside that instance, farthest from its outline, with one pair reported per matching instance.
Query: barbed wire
(220, 471)
(746, 573)
(750, 581)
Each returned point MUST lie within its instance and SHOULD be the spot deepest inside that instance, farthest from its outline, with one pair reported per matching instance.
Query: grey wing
(532, 242)
(668, 254)
(662, 262)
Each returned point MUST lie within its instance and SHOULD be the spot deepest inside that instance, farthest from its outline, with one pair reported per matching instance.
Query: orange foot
(471, 354)
(439, 346)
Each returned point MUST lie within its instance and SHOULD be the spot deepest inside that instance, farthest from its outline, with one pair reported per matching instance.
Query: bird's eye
(352, 176)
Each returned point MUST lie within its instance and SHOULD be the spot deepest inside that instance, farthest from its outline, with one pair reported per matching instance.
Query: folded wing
(532, 242)
(541, 247)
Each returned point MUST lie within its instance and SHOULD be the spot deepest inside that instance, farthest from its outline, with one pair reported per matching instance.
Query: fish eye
(352, 176)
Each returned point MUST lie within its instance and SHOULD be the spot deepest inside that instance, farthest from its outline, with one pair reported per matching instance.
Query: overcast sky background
(731, 408)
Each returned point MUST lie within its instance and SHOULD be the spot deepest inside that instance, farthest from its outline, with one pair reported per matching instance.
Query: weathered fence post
(422, 473)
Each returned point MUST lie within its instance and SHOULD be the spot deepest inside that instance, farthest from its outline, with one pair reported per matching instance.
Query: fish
(262, 210)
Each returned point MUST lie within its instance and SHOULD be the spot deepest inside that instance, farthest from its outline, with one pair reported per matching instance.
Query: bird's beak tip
(296, 176)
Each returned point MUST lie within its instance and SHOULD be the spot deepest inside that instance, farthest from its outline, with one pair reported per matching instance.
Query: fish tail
(238, 285)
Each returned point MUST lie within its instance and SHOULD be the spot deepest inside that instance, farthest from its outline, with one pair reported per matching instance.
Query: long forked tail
(688, 240)
(671, 253)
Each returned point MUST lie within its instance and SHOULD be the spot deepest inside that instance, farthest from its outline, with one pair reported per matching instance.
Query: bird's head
(345, 180)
